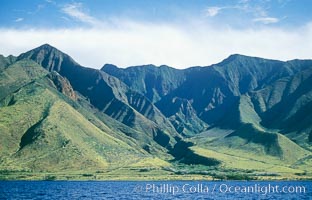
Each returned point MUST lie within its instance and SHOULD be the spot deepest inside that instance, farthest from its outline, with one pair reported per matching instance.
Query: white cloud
(213, 11)
(19, 19)
(132, 43)
(75, 11)
(266, 20)
(256, 10)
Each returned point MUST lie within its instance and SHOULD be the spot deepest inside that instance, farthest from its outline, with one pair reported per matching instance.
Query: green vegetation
(244, 119)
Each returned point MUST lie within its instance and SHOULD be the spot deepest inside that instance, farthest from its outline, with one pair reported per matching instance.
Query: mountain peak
(109, 66)
(46, 45)
(49, 57)
(44, 50)
(237, 56)
(48, 48)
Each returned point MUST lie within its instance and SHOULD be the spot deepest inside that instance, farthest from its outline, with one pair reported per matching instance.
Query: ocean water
(156, 190)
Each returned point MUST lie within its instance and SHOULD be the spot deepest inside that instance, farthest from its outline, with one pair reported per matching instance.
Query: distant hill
(57, 116)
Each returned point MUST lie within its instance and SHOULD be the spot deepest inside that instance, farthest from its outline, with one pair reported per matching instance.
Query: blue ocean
(155, 190)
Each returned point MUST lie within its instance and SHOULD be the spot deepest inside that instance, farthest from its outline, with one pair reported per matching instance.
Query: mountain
(252, 103)
(151, 81)
(286, 106)
(62, 120)
(108, 95)
(211, 92)
(42, 131)
(155, 83)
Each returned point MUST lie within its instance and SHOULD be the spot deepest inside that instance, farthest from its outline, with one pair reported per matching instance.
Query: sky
(178, 33)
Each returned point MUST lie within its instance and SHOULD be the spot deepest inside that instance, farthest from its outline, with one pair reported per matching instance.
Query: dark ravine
(105, 92)
(258, 105)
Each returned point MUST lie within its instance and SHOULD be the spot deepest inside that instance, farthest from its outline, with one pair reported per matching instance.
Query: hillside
(60, 118)
(40, 118)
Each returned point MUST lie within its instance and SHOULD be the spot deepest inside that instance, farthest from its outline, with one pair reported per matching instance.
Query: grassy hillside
(243, 118)
(108, 94)
(43, 130)
(6, 61)
(19, 74)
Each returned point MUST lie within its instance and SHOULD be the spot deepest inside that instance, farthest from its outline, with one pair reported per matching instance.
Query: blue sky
(180, 33)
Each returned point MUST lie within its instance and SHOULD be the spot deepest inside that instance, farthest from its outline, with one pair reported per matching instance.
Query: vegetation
(245, 118)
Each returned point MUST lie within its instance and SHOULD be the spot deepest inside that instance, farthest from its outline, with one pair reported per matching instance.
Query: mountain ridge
(158, 116)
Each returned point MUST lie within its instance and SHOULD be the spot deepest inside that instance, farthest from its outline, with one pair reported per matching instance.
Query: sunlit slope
(41, 131)
(108, 94)
(245, 115)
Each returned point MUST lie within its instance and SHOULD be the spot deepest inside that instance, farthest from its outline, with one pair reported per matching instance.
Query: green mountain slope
(151, 81)
(286, 106)
(251, 102)
(38, 120)
(209, 93)
(244, 117)
(108, 94)
(6, 61)
(182, 116)
(19, 74)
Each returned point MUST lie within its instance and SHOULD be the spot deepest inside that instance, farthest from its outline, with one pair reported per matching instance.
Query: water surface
(155, 190)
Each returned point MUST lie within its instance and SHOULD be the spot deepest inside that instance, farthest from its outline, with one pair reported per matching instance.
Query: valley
(244, 118)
